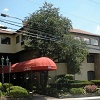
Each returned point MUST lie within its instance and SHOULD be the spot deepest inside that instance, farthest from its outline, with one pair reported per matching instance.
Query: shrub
(17, 91)
(80, 84)
(52, 92)
(6, 85)
(64, 90)
(96, 82)
(65, 78)
(90, 88)
(1, 93)
(98, 91)
(77, 91)
(0, 85)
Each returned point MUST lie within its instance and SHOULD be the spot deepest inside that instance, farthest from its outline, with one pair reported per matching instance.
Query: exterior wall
(61, 69)
(26, 55)
(14, 48)
(18, 46)
(84, 69)
(10, 48)
(4, 48)
(93, 49)
(97, 66)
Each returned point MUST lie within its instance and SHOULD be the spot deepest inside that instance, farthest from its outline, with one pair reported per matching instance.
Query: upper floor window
(78, 38)
(5, 40)
(87, 40)
(90, 58)
(24, 38)
(94, 42)
(17, 39)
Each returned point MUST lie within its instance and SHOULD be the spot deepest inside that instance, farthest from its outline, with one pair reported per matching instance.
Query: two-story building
(11, 45)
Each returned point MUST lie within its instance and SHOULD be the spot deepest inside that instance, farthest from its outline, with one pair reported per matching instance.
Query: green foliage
(1, 93)
(96, 82)
(75, 51)
(52, 91)
(47, 23)
(61, 82)
(56, 42)
(98, 91)
(90, 88)
(68, 78)
(6, 85)
(63, 89)
(17, 91)
(0, 85)
(77, 91)
(80, 84)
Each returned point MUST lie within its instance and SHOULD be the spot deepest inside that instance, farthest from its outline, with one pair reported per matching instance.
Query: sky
(84, 14)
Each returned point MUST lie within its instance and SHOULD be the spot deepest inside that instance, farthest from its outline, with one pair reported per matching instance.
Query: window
(91, 75)
(5, 40)
(77, 38)
(94, 42)
(90, 58)
(17, 39)
(24, 38)
(86, 40)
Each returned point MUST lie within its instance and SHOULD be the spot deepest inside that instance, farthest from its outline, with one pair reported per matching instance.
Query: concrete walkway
(42, 97)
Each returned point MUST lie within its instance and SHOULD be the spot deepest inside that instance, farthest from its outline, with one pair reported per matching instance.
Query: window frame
(90, 58)
(17, 39)
(94, 43)
(4, 41)
(87, 42)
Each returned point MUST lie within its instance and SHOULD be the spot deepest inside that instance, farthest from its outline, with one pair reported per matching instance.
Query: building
(11, 45)
(90, 67)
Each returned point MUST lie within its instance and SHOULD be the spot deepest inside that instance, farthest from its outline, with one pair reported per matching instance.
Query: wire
(73, 14)
(10, 21)
(42, 36)
(95, 2)
(34, 30)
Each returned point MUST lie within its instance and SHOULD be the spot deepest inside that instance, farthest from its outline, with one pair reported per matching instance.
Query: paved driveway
(42, 97)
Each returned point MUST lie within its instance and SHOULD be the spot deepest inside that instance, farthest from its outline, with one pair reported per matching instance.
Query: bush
(96, 82)
(77, 91)
(64, 90)
(52, 92)
(0, 85)
(1, 93)
(98, 91)
(90, 88)
(6, 85)
(80, 84)
(65, 78)
(17, 91)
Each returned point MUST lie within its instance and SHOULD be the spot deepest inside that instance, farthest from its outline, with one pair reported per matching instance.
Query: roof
(3, 31)
(38, 64)
(82, 32)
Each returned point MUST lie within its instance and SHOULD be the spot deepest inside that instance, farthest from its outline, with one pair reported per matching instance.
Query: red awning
(42, 63)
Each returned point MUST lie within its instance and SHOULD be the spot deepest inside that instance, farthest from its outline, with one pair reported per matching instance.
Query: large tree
(50, 36)
(47, 26)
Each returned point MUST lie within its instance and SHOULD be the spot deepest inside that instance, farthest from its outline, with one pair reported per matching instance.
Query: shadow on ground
(31, 97)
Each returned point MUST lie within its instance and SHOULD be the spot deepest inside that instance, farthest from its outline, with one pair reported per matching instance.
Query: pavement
(42, 97)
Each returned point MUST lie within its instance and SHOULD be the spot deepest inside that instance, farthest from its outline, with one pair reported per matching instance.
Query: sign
(27, 68)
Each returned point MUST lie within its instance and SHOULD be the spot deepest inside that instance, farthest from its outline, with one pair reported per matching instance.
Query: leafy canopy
(50, 36)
